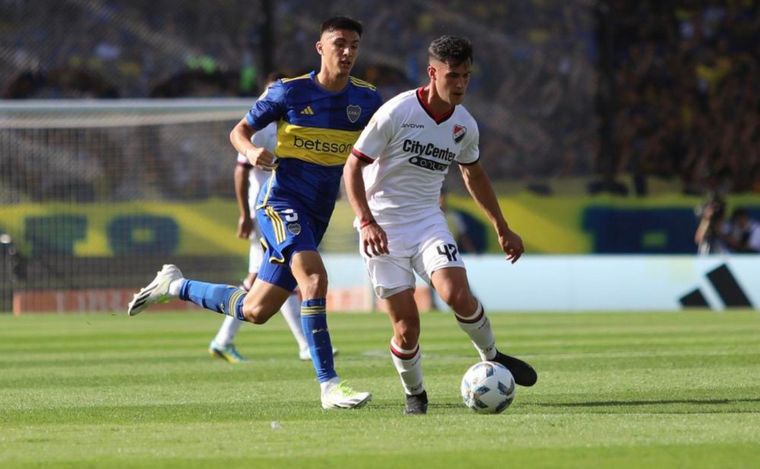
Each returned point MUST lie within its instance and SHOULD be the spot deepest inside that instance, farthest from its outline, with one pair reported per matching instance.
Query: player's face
(339, 49)
(451, 80)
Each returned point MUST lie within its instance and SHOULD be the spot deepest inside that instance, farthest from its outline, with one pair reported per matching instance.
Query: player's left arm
(245, 223)
(479, 186)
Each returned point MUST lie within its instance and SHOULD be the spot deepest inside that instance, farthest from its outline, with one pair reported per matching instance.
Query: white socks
(408, 363)
(227, 332)
(327, 385)
(175, 286)
(478, 327)
(291, 311)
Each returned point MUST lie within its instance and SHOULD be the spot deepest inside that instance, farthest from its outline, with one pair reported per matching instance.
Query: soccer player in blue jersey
(319, 116)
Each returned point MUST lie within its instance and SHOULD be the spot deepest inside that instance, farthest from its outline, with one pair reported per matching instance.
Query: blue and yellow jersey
(316, 130)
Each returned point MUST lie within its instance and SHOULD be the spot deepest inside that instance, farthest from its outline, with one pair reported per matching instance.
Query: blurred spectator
(686, 74)
(712, 229)
(743, 233)
(688, 96)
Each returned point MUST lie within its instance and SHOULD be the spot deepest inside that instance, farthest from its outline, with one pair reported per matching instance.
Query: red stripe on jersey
(437, 119)
(362, 156)
(405, 356)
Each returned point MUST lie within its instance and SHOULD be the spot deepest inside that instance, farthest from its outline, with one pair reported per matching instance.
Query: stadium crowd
(688, 87)
(685, 79)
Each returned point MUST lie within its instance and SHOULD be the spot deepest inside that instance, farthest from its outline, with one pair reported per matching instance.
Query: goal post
(97, 194)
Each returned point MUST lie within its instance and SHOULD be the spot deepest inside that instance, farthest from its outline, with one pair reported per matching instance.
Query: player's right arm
(373, 238)
(270, 107)
(240, 137)
(371, 143)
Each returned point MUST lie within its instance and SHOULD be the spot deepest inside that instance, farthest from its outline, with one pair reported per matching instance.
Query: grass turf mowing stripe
(625, 389)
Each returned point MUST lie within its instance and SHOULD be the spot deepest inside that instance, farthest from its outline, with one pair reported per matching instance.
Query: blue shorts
(285, 230)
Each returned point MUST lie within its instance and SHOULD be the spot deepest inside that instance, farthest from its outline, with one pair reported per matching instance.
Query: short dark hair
(452, 50)
(341, 22)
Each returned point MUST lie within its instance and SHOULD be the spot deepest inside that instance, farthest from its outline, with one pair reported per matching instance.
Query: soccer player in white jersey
(248, 181)
(393, 182)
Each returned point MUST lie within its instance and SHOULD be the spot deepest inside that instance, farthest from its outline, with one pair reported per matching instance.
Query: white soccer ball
(488, 388)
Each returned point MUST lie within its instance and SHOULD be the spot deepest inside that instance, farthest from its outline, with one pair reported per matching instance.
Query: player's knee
(255, 314)
(313, 286)
(458, 299)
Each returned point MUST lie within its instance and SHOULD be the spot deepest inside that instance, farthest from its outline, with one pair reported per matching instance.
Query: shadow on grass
(646, 403)
(661, 406)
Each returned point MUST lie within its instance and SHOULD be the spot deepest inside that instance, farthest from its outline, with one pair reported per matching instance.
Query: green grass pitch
(615, 390)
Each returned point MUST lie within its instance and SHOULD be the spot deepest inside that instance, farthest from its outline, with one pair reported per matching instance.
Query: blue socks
(215, 297)
(229, 300)
(314, 323)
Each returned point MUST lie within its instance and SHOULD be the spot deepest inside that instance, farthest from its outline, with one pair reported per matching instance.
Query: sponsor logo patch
(428, 164)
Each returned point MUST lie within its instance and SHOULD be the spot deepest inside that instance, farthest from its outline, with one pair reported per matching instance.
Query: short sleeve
(242, 160)
(270, 106)
(375, 137)
(470, 153)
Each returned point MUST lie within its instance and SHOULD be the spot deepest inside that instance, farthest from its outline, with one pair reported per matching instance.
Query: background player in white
(248, 181)
(393, 183)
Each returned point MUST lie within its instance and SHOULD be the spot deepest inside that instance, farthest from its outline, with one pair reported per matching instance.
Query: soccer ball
(488, 388)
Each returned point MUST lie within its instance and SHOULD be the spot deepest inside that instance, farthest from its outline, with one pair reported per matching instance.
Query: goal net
(95, 196)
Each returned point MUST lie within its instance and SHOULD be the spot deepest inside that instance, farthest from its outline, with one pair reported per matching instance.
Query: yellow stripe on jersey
(362, 83)
(325, 147)
(299, 77)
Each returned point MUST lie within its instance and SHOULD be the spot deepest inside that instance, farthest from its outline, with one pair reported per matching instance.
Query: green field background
(615, 390)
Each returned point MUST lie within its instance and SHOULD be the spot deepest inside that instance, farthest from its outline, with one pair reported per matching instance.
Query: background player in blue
(319, 117)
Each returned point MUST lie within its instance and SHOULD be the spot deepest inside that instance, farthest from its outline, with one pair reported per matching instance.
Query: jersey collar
(437, 120)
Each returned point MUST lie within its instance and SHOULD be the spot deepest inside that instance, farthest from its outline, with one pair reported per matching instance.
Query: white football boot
(342, 396)
(157, 291)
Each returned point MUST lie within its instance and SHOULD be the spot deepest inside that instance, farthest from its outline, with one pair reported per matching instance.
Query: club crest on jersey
(294, 228)
(353, 112)
(459, 132)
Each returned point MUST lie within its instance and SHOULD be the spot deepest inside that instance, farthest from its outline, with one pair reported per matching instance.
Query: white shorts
(422, 248)
(256, 251)
(256, 179)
